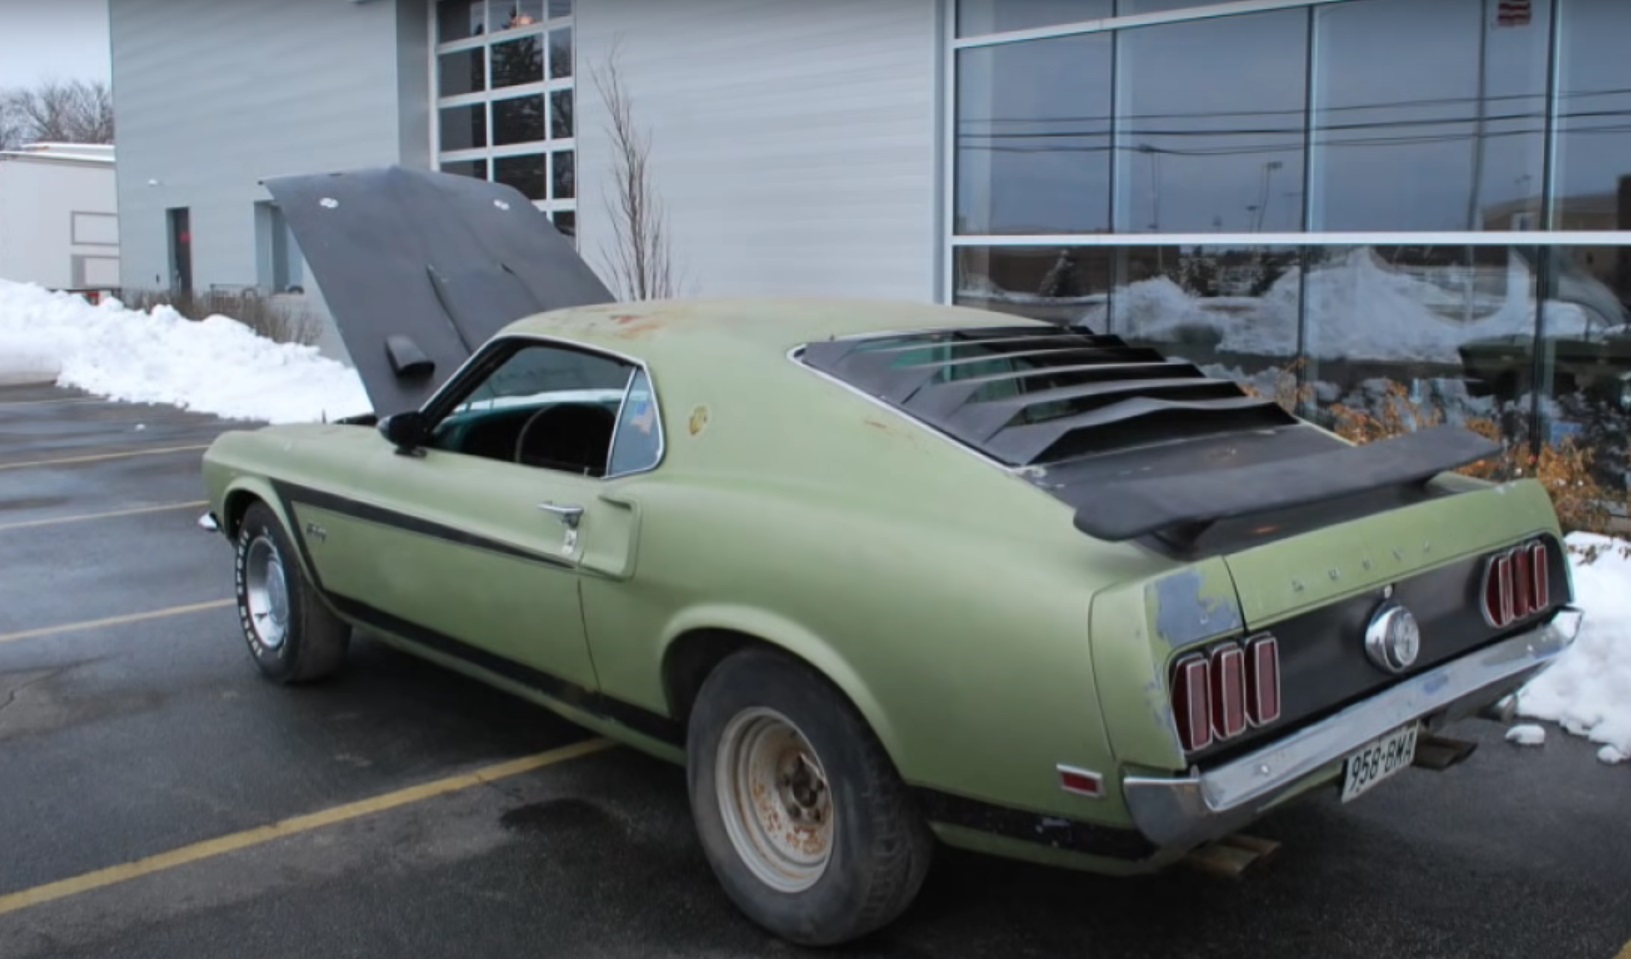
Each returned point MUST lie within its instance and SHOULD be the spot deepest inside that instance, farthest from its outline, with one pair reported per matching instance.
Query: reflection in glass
(461, 72)
(518, 120)
(975, 17)
(518, 61)
(565, 178)
(1427, 116)
(566, 221)
(525, 173)
(560, 8)
(1205, 145)
(1585, 354)
(1233, 311)
(1067, 285)
(464, 127)
(1033, 137)
(560, 115)
(458, 19)
(1594, 118)
(560, 53)
(1427, 333)
(514, 14)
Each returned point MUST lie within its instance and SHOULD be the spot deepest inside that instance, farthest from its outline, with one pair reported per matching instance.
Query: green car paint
(984, 639)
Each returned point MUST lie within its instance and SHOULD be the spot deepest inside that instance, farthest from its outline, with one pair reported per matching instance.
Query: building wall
(211, 97)
(794, 144)
(57, 221)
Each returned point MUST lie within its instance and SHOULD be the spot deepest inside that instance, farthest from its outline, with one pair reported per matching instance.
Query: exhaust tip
(1232, 857)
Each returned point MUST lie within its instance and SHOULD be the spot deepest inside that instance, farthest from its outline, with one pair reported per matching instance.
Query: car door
(484, 528)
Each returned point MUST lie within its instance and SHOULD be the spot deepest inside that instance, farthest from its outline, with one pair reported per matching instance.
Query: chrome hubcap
(267, 593)
(774, 798)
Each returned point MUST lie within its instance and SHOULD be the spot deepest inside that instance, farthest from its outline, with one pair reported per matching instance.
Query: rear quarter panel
(948, 599)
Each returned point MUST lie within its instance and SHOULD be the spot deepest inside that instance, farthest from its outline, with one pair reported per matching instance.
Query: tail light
(1516, 584)
(1219, 693)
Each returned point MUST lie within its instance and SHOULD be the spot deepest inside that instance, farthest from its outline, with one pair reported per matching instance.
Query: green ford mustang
(879, 575)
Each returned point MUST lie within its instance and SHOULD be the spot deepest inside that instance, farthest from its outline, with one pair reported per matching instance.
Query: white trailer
(59, 217)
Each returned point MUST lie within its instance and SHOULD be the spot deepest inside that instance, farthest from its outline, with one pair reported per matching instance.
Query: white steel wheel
(292, 636)
(266, 588)
(775, 800)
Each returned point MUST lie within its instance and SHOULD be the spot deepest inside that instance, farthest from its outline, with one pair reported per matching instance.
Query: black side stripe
(291, 494)
(637, 718)
(943, 807)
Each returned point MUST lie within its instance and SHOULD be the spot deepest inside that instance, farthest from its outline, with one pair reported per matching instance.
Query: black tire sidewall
(283, 662)
(833, 910)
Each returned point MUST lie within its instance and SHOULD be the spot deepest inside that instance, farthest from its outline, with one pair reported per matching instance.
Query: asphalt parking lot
(142, 761)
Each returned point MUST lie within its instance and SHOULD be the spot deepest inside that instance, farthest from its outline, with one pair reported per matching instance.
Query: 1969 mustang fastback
(877, 574)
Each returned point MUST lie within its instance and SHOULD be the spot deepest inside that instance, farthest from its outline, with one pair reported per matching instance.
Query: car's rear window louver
(1029, 395)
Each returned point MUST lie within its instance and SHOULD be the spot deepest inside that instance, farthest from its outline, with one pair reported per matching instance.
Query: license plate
(1377, 760)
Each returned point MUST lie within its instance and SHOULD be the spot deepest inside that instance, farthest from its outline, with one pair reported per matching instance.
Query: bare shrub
(1565, 468)
(282, 322)
(639, 260)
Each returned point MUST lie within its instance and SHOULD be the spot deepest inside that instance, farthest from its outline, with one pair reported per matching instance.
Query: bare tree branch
(639, 258)
(77, 111)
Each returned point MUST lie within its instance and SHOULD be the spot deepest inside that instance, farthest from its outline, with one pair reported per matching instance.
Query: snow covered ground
(216, 366)
(220, 366)
(1587, 690)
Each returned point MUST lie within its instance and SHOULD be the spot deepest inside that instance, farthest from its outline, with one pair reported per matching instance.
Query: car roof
(660, 332)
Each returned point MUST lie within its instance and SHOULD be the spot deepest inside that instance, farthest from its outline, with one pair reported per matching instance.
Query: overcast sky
(65, 39)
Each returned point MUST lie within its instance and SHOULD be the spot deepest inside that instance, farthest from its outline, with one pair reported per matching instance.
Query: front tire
(801, 814)
(292, 636)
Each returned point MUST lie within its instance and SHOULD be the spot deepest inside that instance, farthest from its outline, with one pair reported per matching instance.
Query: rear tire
(292, 636)
(802, 815)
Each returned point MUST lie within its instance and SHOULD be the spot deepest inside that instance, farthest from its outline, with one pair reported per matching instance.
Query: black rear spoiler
(1127, 509)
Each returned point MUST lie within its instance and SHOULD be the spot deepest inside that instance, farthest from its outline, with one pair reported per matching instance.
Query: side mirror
(405, 430)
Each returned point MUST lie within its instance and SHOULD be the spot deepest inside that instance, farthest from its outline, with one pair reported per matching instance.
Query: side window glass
(544, 406)
(638, 443)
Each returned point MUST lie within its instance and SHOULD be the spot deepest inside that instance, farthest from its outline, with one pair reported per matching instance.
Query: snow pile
(217, 366)
(1587, 690)
(1526, 734)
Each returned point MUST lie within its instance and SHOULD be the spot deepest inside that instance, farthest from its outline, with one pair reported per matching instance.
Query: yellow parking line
(290, 827)
(115, 620)
(1625, 953)
(103, 456)
(82, 517)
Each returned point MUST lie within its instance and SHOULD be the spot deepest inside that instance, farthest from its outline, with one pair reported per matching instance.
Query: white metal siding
(52, 213)
(211, 97)
(793, 143)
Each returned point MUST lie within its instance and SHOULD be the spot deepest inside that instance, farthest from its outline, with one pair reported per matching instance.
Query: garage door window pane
(459, 19)
(464, 128)
(1033, 137)
(525, 173)
(560, 114)
(565, 176)
(1206, 146)
(560, 53)
(461, 72)
(518, 120)
(518, 61)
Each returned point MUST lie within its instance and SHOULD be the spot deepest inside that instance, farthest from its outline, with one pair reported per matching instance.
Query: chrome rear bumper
(1204, 806)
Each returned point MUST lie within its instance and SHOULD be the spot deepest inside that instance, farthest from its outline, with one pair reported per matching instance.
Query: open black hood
(420, 268)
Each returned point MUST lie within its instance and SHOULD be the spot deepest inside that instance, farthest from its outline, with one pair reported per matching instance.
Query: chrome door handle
(570, 515)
